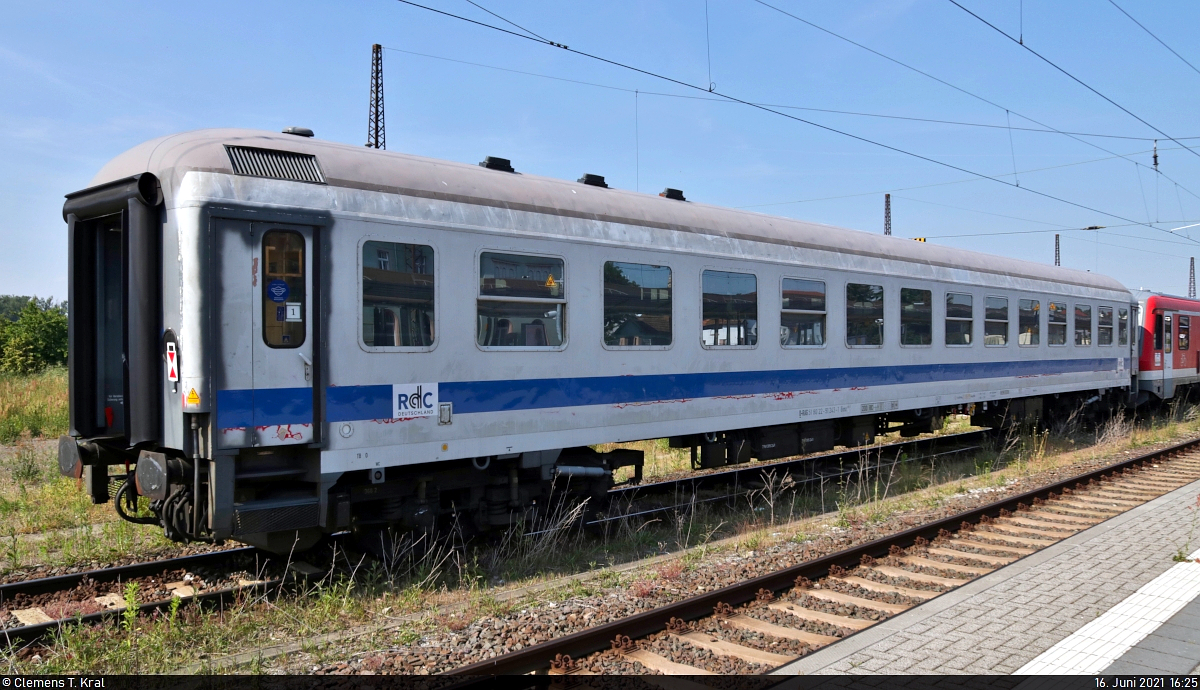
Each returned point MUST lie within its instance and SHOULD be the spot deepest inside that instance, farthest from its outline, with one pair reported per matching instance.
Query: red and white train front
(1168, 363)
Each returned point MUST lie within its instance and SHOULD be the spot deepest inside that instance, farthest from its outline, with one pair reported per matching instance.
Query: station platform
(1109, 600)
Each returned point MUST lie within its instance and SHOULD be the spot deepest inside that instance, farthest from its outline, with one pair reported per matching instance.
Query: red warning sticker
(172, 363)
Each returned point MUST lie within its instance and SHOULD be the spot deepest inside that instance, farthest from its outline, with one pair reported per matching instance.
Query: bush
(36, 340)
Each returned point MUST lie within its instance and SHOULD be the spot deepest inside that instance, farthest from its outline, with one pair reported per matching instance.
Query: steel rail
(579, 644)
(29, 633)
(753, 471)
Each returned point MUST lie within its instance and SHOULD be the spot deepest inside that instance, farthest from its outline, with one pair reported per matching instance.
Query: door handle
(307, 366)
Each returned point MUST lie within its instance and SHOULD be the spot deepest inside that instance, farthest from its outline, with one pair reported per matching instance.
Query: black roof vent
(675, 194)
(493, 163)
(298, 131)
(594, 180)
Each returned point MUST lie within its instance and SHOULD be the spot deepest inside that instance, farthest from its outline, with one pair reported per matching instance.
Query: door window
(283, 296)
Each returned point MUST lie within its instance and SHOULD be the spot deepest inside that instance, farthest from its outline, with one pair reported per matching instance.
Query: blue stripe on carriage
(265, 407)
(350, 403)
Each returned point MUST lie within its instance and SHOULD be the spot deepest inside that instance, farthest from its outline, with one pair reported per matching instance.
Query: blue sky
(84, 81)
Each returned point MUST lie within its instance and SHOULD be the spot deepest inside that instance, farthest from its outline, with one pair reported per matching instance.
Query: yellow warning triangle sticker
(192, 397)
(550, 281)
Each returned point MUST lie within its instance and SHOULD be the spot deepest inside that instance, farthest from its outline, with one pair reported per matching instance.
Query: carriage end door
(282, 310)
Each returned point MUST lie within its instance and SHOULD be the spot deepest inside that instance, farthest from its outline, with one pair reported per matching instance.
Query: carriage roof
(357, 167)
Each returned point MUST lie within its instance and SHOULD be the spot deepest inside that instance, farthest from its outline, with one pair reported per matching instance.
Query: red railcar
(1168, 363)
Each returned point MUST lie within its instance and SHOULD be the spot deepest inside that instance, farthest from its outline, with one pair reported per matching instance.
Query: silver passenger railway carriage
(286, 337)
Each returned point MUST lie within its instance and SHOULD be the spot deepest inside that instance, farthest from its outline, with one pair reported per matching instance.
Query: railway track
(32, 609)
(765, 622)
(805, 471)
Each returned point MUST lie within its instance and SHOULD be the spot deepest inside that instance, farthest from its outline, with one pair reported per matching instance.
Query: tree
(36, 340)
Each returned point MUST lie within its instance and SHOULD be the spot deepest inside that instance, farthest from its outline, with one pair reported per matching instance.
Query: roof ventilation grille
(675, 194)
(494, 163)
(278, 165)
(594, 180)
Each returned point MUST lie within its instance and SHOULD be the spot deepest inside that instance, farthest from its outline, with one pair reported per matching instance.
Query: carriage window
(1057, 331)
(522, 301)
(916, 317)
(397, 294)
(730, 309)
(1083, 324)
(1184, 328)
(802, 321)
(1122, 326)
(1028, 322)
(1167, 333)
(864, 315)
(960, 314)
(1104, 326)
(1158, 331)
(995, 321)
(283, 298)
(637, 304)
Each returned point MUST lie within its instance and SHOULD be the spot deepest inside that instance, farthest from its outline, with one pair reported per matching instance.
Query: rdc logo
(414, 400)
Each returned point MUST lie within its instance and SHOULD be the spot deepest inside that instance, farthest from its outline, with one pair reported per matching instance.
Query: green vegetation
(36, 339)
(33, 405)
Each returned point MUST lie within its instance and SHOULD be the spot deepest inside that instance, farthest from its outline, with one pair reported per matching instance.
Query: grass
(469, 575)
(34, 405)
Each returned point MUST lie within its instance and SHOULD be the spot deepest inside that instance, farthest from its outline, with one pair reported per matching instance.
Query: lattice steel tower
(1192, 278)
(376, 138)
(1056, 263)
(887, 214)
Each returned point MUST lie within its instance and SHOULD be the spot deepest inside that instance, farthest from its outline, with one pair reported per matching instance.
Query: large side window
(864, 315)
(1057, 326)
(1104, 325)
(730, 309)
(1083, 324)
(802, 320)
(637, 305)
(397, 294)
(522, 301)
(916, 317)
(995, 321)
(960, 318)
(1122, 326)
(1029, 323)
(283, 297)
(1185, 331)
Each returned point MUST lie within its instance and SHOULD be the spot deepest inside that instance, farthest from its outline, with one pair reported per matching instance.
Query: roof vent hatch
(593, 180)
(494, 163)
(298, 131)
(277, 165)
(675, 194)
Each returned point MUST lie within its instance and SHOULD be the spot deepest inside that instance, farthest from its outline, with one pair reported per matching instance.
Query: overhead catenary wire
(1160, 41)
(735, 99)
(643, 92)
(1077, 80)
(946, 83)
